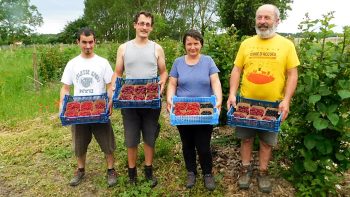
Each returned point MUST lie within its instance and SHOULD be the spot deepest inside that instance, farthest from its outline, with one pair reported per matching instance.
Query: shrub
(172, 49)
(316, 140)
(222, 48)
(52, 61)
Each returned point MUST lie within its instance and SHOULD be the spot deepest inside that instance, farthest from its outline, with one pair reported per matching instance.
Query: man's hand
(110, 107)
(60, 108)
(231, 101)
(284, 109)
(162, 86)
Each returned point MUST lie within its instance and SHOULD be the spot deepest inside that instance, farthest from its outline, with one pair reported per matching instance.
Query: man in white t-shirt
(90, 74)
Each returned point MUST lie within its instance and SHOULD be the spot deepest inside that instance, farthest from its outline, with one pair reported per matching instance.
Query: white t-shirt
(88, 75)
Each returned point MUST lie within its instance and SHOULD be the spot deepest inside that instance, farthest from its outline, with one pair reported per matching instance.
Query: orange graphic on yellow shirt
(260, 77)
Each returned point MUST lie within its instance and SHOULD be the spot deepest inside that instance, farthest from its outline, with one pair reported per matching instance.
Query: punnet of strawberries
(192, 108)
(85, 108)
(145, 92)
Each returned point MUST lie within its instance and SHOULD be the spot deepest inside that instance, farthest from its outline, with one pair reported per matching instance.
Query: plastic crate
(212, 119)
(272, 126)
(102, 118)
(155, 103)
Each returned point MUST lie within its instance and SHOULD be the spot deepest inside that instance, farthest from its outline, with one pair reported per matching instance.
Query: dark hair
(86, 32)
(146, 14)
(194, 34)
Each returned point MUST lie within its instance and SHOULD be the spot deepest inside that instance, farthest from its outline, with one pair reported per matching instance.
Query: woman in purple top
(195, 75)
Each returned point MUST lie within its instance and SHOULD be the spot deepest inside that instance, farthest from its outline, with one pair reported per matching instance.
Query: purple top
(194, 80)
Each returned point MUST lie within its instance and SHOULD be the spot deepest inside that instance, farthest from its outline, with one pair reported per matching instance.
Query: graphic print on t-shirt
(260, 76)
(86, 79)
(261, 65)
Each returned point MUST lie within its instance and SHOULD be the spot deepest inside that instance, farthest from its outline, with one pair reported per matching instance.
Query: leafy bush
(222, 48)
(172, 50)
(317, 138)
(52, 61)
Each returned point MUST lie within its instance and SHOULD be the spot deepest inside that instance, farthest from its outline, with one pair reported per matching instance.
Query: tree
(113, 19)
(70, 30)
(241, 13)
(18, 19)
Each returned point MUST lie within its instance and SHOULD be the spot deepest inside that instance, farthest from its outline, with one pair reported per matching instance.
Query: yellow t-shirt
(264, 63)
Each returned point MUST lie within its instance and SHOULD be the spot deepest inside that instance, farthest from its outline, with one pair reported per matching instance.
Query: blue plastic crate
(102, 118)
(212, 119)
(155, 103)
(272, 126)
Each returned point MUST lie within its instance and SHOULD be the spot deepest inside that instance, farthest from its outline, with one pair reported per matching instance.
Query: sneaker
(149, 176)
(111, 177)
(191, 179)
(209, 182)
(78, 177)
(264, 181)
(132, 172)
(244, 177)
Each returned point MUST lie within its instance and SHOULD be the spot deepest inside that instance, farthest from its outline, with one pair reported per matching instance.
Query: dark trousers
(196, 137)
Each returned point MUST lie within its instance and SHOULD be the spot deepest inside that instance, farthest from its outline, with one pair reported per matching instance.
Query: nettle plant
(316, 138)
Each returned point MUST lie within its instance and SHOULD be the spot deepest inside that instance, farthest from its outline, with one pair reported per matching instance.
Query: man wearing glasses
(141, 58)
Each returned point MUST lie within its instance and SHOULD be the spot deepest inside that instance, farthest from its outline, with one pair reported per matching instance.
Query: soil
(226, 160)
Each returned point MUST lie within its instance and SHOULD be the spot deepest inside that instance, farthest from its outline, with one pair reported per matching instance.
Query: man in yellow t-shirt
(269, 65)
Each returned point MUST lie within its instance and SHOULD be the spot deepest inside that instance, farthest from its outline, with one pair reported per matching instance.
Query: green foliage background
(316, 137)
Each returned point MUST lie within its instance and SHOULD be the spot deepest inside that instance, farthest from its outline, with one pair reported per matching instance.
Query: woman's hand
(168, 105)
(218, 105)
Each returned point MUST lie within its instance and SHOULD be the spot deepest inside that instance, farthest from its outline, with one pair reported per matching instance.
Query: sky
(57, 13)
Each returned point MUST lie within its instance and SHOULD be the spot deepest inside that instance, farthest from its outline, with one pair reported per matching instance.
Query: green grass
(17, 91)
(36, 158)
(18, 98)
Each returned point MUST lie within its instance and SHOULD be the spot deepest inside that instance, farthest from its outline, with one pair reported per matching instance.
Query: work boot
(78, 177)
(149, 176)
(111, 177)
(244, 176)
(191, 180)
(132, 172)
(209, 182)
(264, 181)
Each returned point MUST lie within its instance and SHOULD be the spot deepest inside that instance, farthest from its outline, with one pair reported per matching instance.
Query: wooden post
(35, 70)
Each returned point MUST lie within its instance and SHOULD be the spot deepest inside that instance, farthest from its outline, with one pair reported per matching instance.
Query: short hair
(145, 13)
(194, 34)
(86, 32)
(275, 9)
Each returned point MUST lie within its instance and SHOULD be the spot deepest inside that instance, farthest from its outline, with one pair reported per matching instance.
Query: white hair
(269, 6)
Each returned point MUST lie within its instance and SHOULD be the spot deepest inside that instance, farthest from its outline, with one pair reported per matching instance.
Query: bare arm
(110, 95)
(161, 67)
(64, 91)
(171, 91)
(119, 65)
(234, 84)
(291, 84)
(216, 86)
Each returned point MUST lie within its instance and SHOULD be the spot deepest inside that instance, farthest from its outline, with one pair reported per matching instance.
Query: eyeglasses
(143, 24)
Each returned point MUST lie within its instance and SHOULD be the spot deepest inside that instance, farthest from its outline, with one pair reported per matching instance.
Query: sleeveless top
(140, 62)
